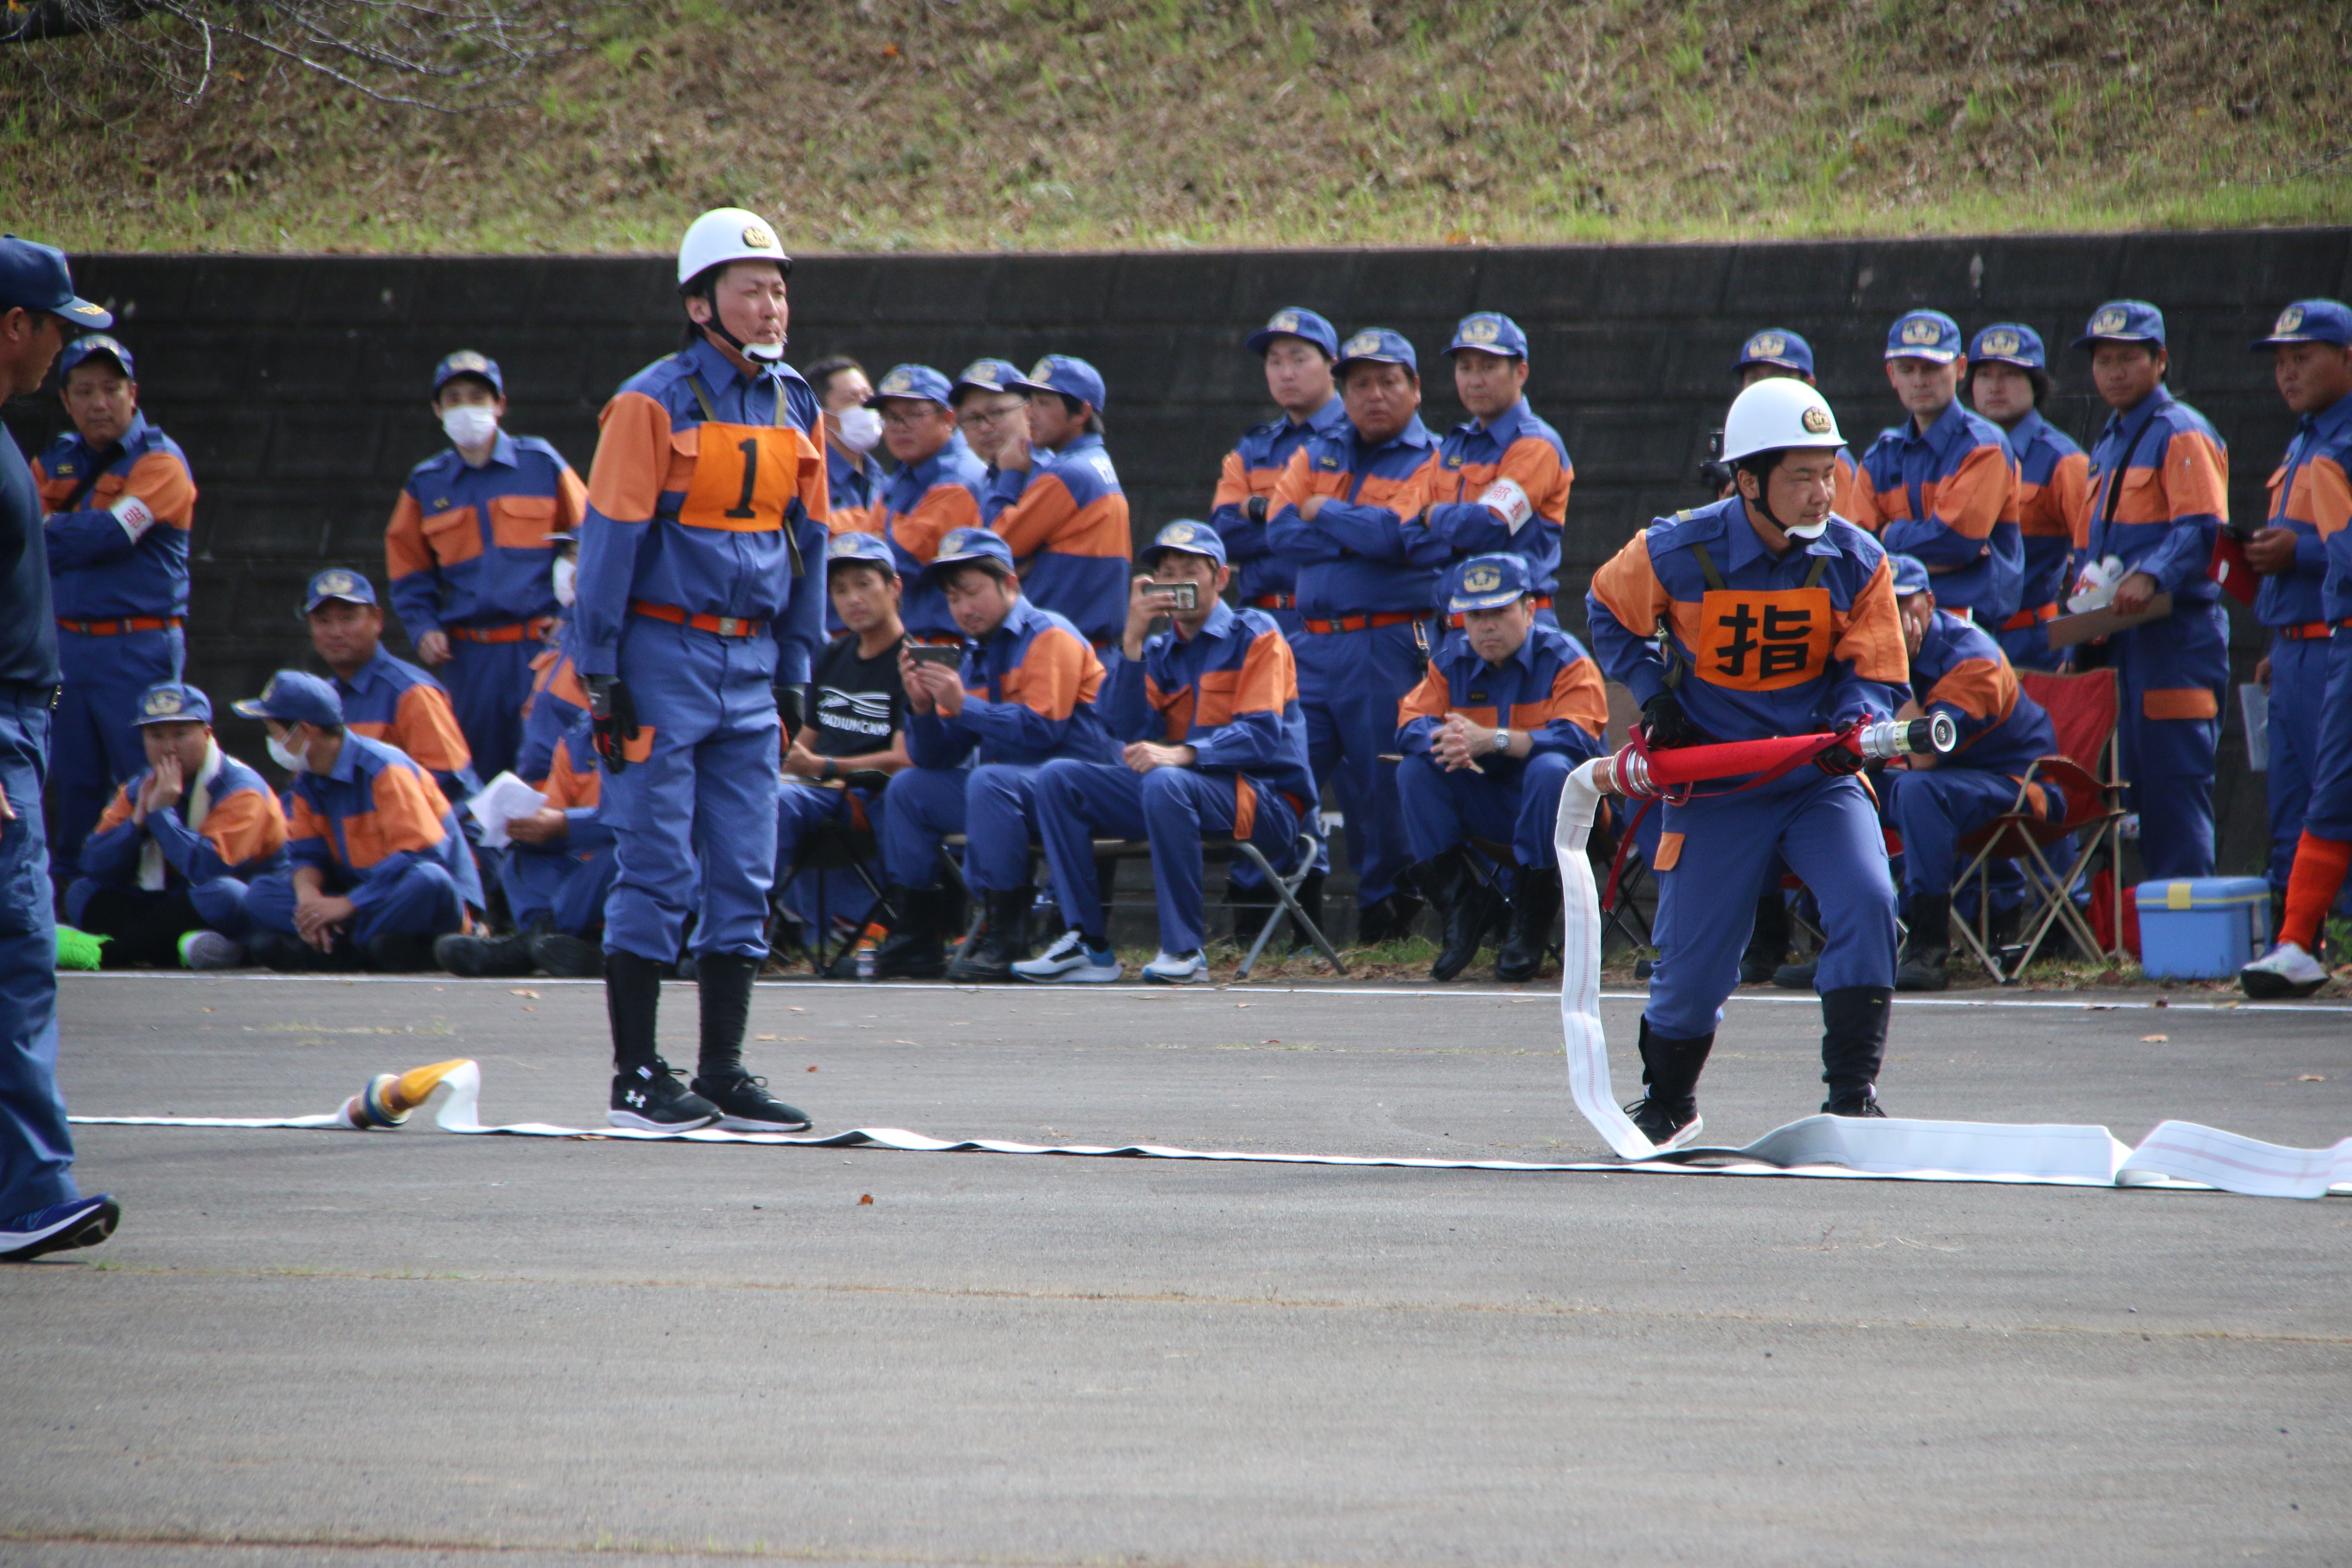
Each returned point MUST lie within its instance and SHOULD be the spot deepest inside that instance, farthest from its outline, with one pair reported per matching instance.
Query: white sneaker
(1177, 968)
(1067, 963)
(2284, 970)
(209, 950)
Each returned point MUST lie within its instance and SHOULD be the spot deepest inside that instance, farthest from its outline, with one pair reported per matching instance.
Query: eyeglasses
(914, 419)
(992, 416)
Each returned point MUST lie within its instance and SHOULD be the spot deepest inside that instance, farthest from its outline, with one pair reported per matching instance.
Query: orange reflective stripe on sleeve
(1533, 463)
(1868, 510)
(1578, 695)
(1981, 688)
(1433, 699)
(303, 822)
(571, 500)
(1978, 493)
(1870, 632)
(569, 789)
(2196, 475)
(245, 827)
(405, 550)
(1405, 496)
(942, 511)
(1299, 480)
(2067, 492)
(2325, 496)
(1047, 517)
(1053, 677)
(634, 451)
(403, 820)
(1629, 589)
(425, 726)
(1842, 499)
(118, 811)
(1232, 482)
(163, 482)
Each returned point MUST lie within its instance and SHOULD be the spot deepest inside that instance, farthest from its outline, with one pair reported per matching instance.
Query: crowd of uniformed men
(747, 657)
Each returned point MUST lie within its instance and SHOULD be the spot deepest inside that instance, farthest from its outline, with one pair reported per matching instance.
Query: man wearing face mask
(121, 503)
(701, 606)
(468, 556)
(854, 478)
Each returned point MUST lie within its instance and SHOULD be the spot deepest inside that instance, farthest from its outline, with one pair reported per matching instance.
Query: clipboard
(2067, 631)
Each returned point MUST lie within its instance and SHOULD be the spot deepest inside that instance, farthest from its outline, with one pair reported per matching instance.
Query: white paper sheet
(503, 798)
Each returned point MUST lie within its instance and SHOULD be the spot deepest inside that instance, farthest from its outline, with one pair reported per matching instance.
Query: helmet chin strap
(1763, 503)
(765, 353)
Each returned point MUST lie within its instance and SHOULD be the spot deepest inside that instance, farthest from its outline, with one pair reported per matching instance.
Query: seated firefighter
(1934, 802)
(377, 867)
(1509, 706)
(1220, 692)
(165, 873)
(558, 866)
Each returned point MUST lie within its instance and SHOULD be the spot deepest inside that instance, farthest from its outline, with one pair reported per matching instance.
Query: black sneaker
(482, 957)
(651, 1099)
(567, 957)
(744, 1105)
(1863, 1105)
(1666, 1126)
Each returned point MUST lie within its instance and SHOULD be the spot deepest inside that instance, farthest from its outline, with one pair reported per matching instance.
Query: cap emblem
(1284, 321)
(2002, 343)
(1360, 344)
(1482, 580)
(1177, 534)
(1043, 370)
(1816, 420)
(1920, 331)
(2289, 319)
(978, 373)
(1767, 345)
(897, 381)
(160, 704)
(467, 360)
(1481, 330)
(757, 238)
(2111, 319)
(334, 584)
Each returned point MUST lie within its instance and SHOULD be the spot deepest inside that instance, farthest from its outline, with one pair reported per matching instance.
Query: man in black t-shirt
(856, 735)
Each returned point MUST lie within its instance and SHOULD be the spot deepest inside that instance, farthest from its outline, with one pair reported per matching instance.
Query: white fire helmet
(1778, 413)
(724, 234)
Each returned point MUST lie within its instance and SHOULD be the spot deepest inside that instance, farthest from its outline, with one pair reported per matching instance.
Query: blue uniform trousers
(1827, 830)
(1934, 809)
(220, 903)
(421, 900)
(829, 895)
(1170, 808)
(35, 1146)
(488, 682)
(2329, 814)
(93, 746)
(988, 805)
(703, 802)
(567, 886)
(2298, 693)
(1349, 687)
(1515, 804)
(2169, 763)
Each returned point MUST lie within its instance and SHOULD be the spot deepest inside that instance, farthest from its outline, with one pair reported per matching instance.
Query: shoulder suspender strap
(702, 397)
(1820, 567)
(1706, 567)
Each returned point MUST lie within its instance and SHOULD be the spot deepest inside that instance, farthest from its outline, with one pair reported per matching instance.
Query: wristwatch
(831, 771)
(1502, 740)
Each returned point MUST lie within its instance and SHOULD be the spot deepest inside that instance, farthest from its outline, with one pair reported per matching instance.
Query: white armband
(1505, 497)
(135, 516)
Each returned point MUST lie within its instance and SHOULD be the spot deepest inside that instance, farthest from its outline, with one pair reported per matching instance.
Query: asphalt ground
(408, 1347)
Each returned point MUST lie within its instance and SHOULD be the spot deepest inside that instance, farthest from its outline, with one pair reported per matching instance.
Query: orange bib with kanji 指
(1762, 639)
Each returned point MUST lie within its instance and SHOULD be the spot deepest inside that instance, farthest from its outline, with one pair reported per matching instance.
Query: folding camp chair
(2087, 771)
(831, 846)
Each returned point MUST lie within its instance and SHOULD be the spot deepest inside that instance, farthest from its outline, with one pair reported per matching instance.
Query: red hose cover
(1682, 765)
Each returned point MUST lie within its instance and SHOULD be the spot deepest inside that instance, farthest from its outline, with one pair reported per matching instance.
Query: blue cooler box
(2203, 927)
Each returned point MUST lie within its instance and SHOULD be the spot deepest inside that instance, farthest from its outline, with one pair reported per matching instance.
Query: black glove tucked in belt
(1664, 725)
(613, 713)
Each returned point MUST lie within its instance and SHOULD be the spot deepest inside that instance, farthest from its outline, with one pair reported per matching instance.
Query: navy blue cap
(294, 697)
(1188, 538)
(35, 277)
(1930, 335)
(1910, 575)
(2304, 321)
(1775, 346)
(1291, 322)
(1070, 377)
(172, 702)
(1489, 332)
(465, 362)
(1490, 582)
(963, 546)
(90, 343)
(2009, 343)
(916, 381)
(2123, 321)
(335, 582)
(866, 549)
(1378, 345)
(987, 375)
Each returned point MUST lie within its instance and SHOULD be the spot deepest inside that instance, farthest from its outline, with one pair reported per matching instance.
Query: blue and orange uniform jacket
(1367, 552)
(852, 483)
(243, 834)
(1961, 671)
(922, 505)
(99, 571)
(374, 816)
(1523, 449)
(1231, 693)
(2054, 486)
(1550, 690)
(2159, 492)
(1029, 698)
(682, 532)
(466, 548)
(1065, 520)
(1761, 645)
(1262, 579)
(1947, 495)
(393, 700)
(2310, 494)
(557, 698)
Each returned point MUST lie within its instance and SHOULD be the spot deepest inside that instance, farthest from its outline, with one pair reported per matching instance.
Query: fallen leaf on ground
(866, 1200)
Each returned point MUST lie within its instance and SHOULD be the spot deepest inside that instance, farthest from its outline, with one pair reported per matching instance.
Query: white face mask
(567, 574)
(861, 429)
(293, 761)
(469, 425)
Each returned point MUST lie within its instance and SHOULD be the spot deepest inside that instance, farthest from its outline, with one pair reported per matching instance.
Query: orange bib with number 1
(744, 476)
(1762, 639)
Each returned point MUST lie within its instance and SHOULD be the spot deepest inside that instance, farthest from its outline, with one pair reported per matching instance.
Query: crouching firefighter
(1770, 617)
(700, 602)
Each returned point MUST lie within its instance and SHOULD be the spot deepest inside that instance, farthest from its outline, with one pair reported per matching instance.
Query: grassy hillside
(963, 124)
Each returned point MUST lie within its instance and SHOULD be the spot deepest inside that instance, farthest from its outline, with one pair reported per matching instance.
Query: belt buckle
(729, 626)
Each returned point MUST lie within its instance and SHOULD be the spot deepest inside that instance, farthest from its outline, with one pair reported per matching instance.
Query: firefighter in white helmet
(700, 602)
(1761, 615)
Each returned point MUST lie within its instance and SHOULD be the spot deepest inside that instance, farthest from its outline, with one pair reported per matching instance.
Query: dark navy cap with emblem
(2123, 321)
(1490, 582)
(90, 343)
(987, 375)
(919, 381)
(2309, 322)
(1910, 575)
(1775, 346)
(1378, 345)
(965, 546)
(864, 549)
(1930, 335)
(1291, 322)
(335, 582)
(35, 277)
(1489, 332)
(2009, 343)
(294, 697)
(1070, 376)
(1187, 538)
(172, 702)
(465, 362)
